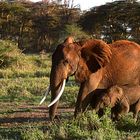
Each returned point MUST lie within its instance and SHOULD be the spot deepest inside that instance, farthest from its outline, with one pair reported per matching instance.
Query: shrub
(11, 56)
(9, 53)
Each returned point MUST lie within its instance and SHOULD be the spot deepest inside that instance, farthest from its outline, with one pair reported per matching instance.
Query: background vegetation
(26, 28)
(41, 26)
(23, 82)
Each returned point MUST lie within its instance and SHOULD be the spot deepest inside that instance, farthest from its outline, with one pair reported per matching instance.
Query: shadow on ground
(29, 114)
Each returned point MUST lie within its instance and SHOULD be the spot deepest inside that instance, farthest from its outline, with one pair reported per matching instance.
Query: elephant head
(75, 58)
(110, 98)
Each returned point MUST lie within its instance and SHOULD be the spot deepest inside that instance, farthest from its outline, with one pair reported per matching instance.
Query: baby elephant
(121, 100)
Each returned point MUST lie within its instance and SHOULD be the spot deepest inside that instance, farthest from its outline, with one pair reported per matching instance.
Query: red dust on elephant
(95, 64)
(121, 99)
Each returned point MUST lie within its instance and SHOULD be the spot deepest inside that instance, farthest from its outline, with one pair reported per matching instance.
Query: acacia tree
(113, 21)
(14, 19)
(35, 26)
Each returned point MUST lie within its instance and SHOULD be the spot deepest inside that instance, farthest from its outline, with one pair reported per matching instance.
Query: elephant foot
(57, 118)
(77, 112)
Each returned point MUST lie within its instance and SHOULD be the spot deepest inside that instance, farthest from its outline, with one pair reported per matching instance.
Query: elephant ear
(96, 54)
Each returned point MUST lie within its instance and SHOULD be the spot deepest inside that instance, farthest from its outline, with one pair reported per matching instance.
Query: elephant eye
(65, 61)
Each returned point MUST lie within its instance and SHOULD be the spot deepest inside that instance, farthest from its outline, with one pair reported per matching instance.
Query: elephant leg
(85, 92)
(83, 99)
(81, 103)
(136, 110)
(124, 107)
(124, 110)
(119, 109)
(115, 112)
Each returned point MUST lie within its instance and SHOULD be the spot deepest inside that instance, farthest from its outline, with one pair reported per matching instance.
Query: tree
(35, 26)
(113, 21)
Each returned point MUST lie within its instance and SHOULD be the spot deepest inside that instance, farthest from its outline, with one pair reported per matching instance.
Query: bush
(11, 56)
(9, 53)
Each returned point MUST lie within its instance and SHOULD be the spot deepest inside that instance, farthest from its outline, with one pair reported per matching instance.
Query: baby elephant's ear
(96, 54)
(117, 93)
(119, 90)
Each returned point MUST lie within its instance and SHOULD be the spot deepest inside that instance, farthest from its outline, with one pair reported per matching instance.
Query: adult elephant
(94, 64)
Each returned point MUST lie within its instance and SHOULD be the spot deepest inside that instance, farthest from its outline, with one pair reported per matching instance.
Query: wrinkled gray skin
(94, 64)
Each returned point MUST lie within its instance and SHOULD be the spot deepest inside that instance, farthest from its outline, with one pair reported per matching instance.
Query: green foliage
(21, 89)
(9, 53)
(12, 57)
(32, 133)
(24, 86)
(76, 31)
(35, 26)
(129, 129)
(41, 26)
(15, 64)
(70, 94)
(113, 21)
(86, 126)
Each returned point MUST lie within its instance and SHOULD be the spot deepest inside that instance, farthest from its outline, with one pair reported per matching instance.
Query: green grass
(86, 126)
(24, 84)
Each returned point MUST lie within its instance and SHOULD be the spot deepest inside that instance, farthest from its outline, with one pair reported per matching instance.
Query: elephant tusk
(59, 94)
(48, 90)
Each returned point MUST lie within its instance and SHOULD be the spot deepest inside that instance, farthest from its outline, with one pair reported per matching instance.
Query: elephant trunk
(57, 84)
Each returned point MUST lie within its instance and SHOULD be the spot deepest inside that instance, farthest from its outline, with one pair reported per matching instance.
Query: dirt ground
(12, 115)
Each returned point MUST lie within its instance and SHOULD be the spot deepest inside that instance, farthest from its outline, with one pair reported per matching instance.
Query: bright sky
(87, 4)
